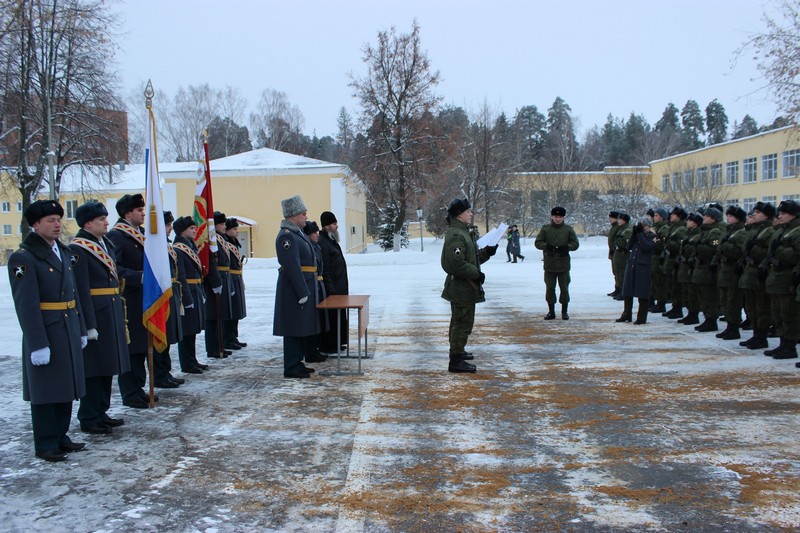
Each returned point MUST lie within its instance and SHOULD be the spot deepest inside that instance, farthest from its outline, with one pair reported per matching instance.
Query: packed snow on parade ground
(593, 414)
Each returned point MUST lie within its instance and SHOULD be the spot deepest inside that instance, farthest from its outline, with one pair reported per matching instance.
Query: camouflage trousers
(757, 308)
(786, 315)
(708, 295)
(732, 300)
(462, 318)
(550, 280)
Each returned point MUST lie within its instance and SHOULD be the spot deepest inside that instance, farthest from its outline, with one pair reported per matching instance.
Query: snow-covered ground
(579, 425)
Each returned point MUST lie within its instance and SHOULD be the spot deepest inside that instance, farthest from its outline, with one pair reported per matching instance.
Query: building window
(731, 173)
(71, 207)
(716, 175)
(701, 177)
(688, 180)
(769, 167)
(791, 163)
(676, 181)
(6, 207)
(749, 170)
(795, 197)
(665, 183)
(6, 229)
(769, 199)
(748, 204)
(19, 207)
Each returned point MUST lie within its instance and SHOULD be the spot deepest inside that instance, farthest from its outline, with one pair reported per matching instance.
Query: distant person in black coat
(637, 281)
(335, 278)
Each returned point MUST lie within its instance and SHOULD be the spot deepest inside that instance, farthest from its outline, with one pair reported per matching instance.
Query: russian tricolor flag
(157, 280)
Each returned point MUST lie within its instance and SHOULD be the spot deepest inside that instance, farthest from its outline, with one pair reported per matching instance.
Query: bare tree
(57, 92)
(277, 123)
(777, 50)
(395, 95)
(184, 117)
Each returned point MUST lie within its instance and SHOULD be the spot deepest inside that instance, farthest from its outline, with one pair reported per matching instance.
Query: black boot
(641, 314)
(658, 307)
(757, 341)
(690, 319)
(724, 332)
(675, 312)
(460, 367)
(747, 324)
(731, 333)
(778, 349)
(708, 325)
(788, 350)
(627, 312)
(564, 314)
(551, 314)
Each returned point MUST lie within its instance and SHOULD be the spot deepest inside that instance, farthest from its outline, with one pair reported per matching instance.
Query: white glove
(41, 356)
(92, 334)
(190, 306)
(303, 300)
(233, 293)
(84, 341)
(217, 290)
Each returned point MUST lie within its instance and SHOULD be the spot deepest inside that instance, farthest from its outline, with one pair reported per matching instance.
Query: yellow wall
(254, 197)
(757, 146)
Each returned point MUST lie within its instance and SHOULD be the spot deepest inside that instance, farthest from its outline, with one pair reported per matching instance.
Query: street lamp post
(419, 217)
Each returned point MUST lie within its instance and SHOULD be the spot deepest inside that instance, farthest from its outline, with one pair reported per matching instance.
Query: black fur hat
(736, 211)
(558, 211)
(128, 203)
(89, 211)
(458, 206)
(765, 207)
(42, 208)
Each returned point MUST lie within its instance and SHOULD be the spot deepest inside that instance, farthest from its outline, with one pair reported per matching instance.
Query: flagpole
(148, 103)
(218, 300)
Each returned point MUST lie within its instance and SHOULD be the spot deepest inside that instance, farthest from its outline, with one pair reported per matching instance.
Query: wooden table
(349, 301)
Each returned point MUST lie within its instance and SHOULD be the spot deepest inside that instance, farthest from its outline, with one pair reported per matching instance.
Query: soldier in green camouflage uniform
(689, 294)
(729, 258)
(658, 283)
(782, 258)
(705, 270)
(463, 287)
(557, 240)
(671, 255)
(621, 252)
(612, 232)
(754, 250)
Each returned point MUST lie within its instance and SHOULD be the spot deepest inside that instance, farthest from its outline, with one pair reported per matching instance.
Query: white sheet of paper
(493, 237)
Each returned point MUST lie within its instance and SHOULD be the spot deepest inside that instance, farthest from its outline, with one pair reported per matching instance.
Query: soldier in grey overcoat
(128, 238)
(106, 354)
(192, 293)
(53, 332)
(296, 318)
(238, 301)
(218, 293)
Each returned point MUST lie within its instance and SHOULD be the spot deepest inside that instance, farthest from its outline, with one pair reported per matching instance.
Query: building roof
(263, 161)
(733, 141)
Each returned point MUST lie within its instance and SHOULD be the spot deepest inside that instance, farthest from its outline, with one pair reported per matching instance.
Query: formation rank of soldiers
(703, 265)
(80, 310)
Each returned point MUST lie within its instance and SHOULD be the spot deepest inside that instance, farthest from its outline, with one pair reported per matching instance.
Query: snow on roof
(260, 161)
(267, 159)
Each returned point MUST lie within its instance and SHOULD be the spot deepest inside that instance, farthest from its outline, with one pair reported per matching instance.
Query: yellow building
(763, 167)
(248, 186)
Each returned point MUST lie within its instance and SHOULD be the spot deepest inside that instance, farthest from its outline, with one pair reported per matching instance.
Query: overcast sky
(601, 57)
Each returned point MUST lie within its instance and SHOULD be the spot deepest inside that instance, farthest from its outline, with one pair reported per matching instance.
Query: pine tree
(716, 123)
(693, 125)
(746, 128)
(386, 229)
